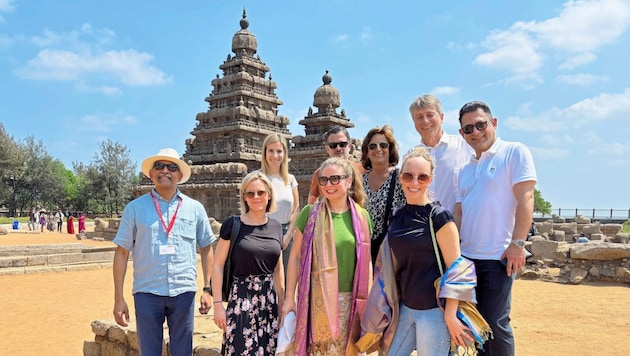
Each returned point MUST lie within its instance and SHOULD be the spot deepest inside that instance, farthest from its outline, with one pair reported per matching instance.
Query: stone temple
(226, 142)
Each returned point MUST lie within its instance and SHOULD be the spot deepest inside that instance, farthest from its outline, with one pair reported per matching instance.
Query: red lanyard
(159, 211)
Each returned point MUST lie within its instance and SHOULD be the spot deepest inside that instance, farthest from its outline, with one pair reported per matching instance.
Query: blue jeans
(423, 330)
(151, 310)
(494, 302)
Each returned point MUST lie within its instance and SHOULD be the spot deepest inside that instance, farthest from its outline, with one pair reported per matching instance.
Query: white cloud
(546, 153)
(581, 78)
(6, 5)
(129, 66)
(578, 60)
(366, 34)
(513, 50)
(584, 26)
(104, 89)
(107, 122)
(444, 90)
(601, 107)
(341, 38)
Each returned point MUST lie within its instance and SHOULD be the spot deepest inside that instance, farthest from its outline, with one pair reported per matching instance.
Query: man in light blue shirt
(163, 229)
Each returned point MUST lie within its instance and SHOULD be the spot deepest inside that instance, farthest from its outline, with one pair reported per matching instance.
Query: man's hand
(515, 258)
(206, 303)
(121, 313)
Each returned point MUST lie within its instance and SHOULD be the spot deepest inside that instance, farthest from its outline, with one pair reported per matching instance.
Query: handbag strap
(236, 226)
(434, 240)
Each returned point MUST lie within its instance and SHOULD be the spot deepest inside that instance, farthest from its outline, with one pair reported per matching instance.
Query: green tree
(541, 205)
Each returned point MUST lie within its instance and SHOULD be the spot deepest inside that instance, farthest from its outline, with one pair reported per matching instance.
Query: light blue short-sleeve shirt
(165, 266)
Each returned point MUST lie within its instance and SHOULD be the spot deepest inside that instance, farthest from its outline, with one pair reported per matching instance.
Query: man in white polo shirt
(495, 204)
(450, 152)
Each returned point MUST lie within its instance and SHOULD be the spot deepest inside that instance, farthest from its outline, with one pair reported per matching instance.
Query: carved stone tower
(308, 151)
(243, 109)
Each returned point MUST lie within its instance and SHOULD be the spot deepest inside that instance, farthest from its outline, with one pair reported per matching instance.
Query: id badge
(167, 249)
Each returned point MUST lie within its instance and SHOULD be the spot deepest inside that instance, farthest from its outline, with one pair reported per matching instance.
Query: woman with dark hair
(330, 264)
(380, 182)
(251, 321)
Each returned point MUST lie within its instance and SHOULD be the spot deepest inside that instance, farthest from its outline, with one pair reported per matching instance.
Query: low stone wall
(113, 340)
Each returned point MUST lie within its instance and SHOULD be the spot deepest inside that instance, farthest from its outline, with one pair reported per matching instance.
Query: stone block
(111, 348)
(38, 260)
(99, 256)
(545, 249)
(132, 338)
(545, 227)
(597, 237)
(577, 275)
(91, 348)
(100, 327)
(557, 236)
(205, 351)
(611, 229)
(581, 219)
(568, 228)
(14, 261)
(600, 251)
(558, 219)
(591, 229)
(65, 258)
(622, 237)
(113, 223)
(117, 333)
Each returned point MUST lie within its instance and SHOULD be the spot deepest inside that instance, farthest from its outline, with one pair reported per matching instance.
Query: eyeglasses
(334, 180)
(252, 194)
(382, 145)
(334, 145)
(408, 177)
(172, 167)
(480, 126)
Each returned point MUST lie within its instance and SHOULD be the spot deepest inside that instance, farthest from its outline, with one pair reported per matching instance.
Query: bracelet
(217, 302)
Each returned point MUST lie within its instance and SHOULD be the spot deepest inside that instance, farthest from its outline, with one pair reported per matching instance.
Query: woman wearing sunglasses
(251, 321)
(379, 156)
(330, 264)
(407, 268)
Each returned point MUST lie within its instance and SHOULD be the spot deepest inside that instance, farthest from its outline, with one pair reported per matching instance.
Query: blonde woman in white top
(275, 165)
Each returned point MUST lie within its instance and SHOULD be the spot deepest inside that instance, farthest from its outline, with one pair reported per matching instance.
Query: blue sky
(555, 74)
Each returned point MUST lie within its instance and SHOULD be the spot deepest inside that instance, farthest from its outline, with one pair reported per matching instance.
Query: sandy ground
(51, 313)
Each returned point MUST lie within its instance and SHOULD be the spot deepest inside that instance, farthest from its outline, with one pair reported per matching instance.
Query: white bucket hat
(167, 154)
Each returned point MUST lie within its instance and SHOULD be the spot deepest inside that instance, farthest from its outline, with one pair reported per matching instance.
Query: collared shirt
(488, 202)
(155, 269)
(450, 154)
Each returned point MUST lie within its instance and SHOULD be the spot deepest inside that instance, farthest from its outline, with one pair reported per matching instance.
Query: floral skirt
(252, 317)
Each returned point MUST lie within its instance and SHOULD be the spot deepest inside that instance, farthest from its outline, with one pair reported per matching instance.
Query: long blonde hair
(356, 191)
(284, 166)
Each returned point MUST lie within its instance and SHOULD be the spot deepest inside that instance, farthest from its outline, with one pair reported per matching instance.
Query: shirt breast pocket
(184, 228)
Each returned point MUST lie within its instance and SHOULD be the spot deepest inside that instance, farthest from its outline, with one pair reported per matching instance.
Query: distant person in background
(70, 224)
(42, 220)
(450, 152)
(81, 223)
(51, 224)
(275, 166)
(532, 230)
(379, 156)
(32, 220)
(59, 219)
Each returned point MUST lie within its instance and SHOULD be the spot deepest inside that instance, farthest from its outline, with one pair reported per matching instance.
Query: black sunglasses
(382, 145)
(480, 126)
(334, 145)
(172, 167)
(334, 180)
(408, 177)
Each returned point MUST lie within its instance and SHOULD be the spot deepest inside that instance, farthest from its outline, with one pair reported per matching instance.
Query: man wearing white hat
(162, 229)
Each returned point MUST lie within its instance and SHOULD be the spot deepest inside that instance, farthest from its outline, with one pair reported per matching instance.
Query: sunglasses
(334, 145)
(172, 167)
(382, 145)
(334, 180)
(480, 126)
(408, 177)
(251, 194)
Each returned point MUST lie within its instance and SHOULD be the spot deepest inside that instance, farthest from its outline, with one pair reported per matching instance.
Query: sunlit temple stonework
(226, 142)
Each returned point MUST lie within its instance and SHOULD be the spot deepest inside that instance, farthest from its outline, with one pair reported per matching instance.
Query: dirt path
(51, 313)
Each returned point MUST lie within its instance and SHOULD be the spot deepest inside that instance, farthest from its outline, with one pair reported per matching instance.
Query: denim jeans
(423, 330)
(151, 310)
(494, 302)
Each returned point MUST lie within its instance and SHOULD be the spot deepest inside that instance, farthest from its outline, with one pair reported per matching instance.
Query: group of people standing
(42, 219)
(356, 268)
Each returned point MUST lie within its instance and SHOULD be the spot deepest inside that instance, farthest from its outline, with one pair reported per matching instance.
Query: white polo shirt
(488, 202)
(450, 154)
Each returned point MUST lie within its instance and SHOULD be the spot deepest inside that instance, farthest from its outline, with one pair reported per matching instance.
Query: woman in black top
(251, 320)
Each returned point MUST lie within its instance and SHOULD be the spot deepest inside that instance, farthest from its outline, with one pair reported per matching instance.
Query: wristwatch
(208, 289)
(520, 243)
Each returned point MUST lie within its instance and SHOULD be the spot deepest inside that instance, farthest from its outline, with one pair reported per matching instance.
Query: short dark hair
(336, 129)
(473, 106)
